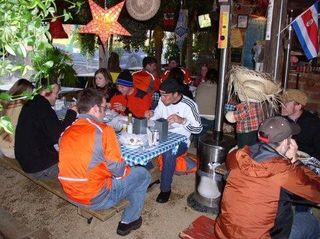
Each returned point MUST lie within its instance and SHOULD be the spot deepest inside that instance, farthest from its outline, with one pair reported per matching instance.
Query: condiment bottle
(130, 125)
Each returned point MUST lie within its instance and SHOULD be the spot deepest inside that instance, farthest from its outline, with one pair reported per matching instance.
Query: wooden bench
(54, 186)
(202, 227)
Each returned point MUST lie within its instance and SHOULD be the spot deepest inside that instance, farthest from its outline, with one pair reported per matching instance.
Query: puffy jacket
(134, 103)
(186, 76)
(252, 202)
(89, 157)
(145, 81)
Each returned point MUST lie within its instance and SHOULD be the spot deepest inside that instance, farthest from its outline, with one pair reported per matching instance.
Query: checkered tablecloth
(143, 155)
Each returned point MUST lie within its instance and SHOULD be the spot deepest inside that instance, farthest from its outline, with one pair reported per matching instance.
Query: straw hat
(142, 10)
(252, 85)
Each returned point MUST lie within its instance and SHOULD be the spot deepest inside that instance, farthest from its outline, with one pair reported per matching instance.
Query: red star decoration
(104, 22)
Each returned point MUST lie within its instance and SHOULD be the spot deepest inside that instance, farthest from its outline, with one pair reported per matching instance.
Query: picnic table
(144, 154)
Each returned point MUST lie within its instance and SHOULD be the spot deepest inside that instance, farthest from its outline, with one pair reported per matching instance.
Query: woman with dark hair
(103, 82)
(202, 76)
(12, 109)
(177, 74)
(206, 100)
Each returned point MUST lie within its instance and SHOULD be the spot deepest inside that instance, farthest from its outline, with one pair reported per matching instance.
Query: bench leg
(85, 214)
(153, 183)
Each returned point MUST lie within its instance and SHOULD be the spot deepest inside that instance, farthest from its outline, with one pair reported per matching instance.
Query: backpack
(185, 164)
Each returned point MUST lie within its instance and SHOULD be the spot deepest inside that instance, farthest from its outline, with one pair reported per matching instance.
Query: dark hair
(88, 98)
(113, 62)
(148, 60)
(177, 74)
(171, 86)
(212, 76)
(20, 86)
(106, 75)
(174, 58)
(44, 83)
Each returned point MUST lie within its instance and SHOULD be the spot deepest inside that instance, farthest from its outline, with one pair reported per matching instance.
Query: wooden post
(271, 45)
(189, 50)
(103, 55)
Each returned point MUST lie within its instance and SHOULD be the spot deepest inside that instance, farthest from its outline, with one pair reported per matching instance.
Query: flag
(306, 28)
(182, 28)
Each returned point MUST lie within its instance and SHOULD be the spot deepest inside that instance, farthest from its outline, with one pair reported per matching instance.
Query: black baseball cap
(276, 129)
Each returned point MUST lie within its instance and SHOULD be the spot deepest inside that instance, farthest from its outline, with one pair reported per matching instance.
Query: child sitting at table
(130, 99)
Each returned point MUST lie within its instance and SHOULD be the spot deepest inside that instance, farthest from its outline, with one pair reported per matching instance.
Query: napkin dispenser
(162, 126)
(140, 126)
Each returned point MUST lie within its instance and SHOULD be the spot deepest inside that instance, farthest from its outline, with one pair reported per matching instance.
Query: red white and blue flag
(306, 28)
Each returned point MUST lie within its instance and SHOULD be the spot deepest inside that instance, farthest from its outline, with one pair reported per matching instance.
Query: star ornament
(104, 22)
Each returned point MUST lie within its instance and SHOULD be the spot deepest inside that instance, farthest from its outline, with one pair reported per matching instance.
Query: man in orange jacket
(91, 170)
(263, 182)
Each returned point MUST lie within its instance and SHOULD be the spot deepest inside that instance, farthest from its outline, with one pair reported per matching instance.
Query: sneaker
(163, 197)
(124, 229)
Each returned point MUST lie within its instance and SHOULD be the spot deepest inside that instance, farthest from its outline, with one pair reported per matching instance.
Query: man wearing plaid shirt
(247, 117)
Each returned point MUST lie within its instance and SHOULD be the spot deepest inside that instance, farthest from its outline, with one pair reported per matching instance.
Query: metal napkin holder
(140, 126)
(162, 126)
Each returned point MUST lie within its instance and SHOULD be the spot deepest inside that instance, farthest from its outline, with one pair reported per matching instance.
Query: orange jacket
(136, 105)
(89, 157)
(251, 197)
(186, 76)
(145, 81)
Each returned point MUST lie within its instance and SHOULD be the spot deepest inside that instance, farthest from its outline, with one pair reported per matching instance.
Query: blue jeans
(132, 187)
(206, 125)
(169, 166)
(48, 173)
(305, 226)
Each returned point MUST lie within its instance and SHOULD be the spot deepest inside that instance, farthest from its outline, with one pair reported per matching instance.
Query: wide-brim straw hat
(142, 10)
(252, 85)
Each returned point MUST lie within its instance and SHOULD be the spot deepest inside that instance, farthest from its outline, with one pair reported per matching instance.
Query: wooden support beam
(270, 65)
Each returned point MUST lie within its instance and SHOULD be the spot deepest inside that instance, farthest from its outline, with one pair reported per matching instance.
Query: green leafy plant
(172, 48)
(87, 44)
(5, 121)
(53, 63)
(24, 31)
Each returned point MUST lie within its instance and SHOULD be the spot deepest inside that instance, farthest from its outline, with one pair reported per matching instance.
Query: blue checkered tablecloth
(143, 155)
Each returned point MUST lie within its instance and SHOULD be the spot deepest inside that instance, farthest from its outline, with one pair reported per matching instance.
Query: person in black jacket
(38, 131)
(293, 108)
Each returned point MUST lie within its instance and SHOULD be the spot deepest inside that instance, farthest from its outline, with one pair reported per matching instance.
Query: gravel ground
(39, 209)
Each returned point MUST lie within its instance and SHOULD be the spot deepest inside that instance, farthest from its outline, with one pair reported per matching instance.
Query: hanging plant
(24, 31)
(88, 44)
(55, 64)
(172, 48)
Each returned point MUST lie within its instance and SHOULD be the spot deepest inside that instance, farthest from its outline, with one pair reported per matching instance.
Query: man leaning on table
(308, 139)
(262, 181)
(38, 131)
(91, 170)
(183, 117)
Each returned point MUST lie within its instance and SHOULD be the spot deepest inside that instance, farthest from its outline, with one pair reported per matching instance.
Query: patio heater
(213, 147)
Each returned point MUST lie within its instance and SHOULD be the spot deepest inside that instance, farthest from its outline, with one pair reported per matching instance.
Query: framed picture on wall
(242, 21)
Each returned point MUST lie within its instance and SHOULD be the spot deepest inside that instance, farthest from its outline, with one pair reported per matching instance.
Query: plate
(132, 140)
(130, 146)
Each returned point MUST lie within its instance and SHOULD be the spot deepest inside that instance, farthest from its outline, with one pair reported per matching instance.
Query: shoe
(163, 197)
(124, 229)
